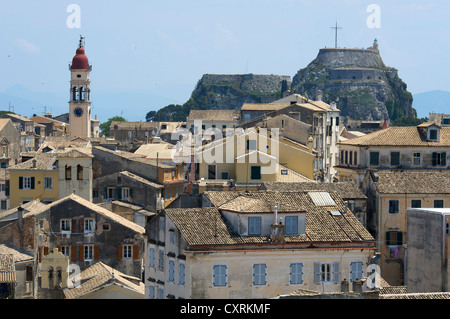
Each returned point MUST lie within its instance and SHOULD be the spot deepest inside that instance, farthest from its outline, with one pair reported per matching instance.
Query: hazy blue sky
(164, 47)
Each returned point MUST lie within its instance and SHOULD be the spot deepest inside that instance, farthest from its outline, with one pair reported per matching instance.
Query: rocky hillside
(362, 86)
(226, 91)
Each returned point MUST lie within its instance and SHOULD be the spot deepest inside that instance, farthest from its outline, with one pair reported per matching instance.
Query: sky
(156, 51)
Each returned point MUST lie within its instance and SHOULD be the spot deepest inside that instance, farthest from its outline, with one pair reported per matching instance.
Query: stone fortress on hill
(357, 80)
(362, 86)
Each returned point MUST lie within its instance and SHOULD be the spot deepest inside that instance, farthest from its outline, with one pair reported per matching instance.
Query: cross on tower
(335, 36)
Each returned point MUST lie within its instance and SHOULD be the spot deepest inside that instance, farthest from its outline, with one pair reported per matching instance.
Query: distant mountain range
(134, 105)
(436, 101)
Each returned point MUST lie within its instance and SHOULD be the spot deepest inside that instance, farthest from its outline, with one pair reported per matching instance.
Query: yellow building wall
(17, 196)
(391, 267)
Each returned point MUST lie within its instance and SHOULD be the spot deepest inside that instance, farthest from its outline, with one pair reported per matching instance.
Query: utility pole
(335, 35)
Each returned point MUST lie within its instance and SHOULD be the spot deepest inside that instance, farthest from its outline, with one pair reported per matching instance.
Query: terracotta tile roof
(263, 106)
(136, 157)
(7, 269)
(45, 161)
(420, 295)
(134, 125)
(98, 209)
(213, 115)
(400, 136)
(99, 276)
(412, 181)
(207, 226)
(347, 190)
(19, 255)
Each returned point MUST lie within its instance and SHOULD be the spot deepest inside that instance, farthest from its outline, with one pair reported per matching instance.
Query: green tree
(104, 127)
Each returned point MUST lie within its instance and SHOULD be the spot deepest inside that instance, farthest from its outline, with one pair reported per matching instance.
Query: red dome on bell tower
(80, 60)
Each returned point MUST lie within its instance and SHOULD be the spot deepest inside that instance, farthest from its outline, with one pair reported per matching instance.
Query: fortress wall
(339, 57)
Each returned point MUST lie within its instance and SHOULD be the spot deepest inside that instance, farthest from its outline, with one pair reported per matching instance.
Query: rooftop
(404, 136)
(208, 226)
(213, 115)
(412, 181)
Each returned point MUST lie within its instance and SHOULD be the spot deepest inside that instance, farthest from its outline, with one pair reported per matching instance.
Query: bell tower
(80, 100)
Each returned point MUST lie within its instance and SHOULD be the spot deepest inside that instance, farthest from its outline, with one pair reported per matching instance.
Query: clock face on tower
(78, 112)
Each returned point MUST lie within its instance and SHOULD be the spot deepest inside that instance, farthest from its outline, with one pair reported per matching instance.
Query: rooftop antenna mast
(335, 34)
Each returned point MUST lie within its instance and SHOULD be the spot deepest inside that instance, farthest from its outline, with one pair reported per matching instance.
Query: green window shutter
(32, 182)
(443, 158)
(434, 159)
(20, 182)
(399, 238)
(105, 194)
(255, 172)
(131, 193)
(119, 193)
(7, 188)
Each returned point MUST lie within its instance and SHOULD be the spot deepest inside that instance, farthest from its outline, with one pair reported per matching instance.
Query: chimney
(358, 286)
(319, 95)
(20, 217)
(333, 106)
(277, 230)
(345, 286)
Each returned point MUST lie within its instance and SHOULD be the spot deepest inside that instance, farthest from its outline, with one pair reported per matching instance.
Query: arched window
(68, 172)
(75, 94)
(50, 277)
(79, 172)
(81, 93)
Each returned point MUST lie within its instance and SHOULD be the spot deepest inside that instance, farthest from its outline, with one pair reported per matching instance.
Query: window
(172, 237)
(79, 172)
(161, 259)
(65, 224)
(356, 270)
(342, 157)
(161, 223)
(3, 204)
(125, 192)
(447, 229)
(88, 252)
(89, 225)
(127, 251)
(152, 257)
(433, 134)
(65, 250)
(166, 174)
(259, 274)
(284, 172)
(393, 206)
(296, 273)
(110, 193)
(394, 238)
(291, 225)
(439, 159)
(355, 158)
(48, 182)
(151, 293)
(438, 203)
(374, 158)
(251, 145)
(224, 175)
(171, 270)
(254, 226)
(173, 174)
(182, 273)
(219, 275)
(211, 171)
(416, 159)
(160, 292)
(395, 158)
(68, 172)
(326, 272)
(255, 172)
(346, 157)
(26, 182)
(416, 203)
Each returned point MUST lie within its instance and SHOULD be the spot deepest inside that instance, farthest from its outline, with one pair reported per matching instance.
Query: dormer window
(433, 134)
